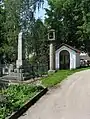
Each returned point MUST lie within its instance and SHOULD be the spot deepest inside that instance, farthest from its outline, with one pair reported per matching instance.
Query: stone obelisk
(21, 57)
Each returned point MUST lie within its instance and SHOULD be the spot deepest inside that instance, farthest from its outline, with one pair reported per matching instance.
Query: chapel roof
(72, 48)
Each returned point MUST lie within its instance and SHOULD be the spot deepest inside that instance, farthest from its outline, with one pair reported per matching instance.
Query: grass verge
(60, 75)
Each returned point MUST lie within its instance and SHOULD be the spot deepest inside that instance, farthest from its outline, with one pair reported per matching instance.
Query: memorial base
(21, 73)
(51, 71)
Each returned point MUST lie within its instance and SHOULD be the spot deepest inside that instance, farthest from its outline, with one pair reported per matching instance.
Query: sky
(41, 13)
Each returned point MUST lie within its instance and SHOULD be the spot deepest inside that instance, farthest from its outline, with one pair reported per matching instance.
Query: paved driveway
(70, 100)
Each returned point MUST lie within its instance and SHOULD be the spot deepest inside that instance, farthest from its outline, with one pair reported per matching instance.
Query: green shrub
(15, 96)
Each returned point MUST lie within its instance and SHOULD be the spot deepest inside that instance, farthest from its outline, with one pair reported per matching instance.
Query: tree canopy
(71, 20)
(15, 16)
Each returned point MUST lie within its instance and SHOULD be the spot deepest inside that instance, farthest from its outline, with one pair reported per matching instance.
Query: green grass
(60, 75)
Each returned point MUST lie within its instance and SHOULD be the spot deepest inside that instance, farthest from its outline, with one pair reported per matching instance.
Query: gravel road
(69, 100)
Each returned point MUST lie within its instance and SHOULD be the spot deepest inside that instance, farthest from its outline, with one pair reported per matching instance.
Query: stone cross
(21, 57)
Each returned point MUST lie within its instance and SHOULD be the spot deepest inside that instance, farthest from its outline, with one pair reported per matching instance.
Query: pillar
(52, 58)
(21, 57)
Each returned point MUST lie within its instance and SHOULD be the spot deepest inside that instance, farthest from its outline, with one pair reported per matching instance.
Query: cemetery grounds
(13, 97)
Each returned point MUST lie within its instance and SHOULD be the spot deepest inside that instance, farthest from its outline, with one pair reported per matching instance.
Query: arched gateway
(64, 59)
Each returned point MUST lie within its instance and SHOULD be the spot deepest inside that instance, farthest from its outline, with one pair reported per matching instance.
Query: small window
(51, 35)
(6, 70)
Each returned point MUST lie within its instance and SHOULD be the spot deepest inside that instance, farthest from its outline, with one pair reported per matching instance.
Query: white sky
(41, 13)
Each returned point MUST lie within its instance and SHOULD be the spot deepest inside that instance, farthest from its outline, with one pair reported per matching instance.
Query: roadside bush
(14, 97)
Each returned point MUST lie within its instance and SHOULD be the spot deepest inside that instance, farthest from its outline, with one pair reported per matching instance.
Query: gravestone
(11, 68)
(5, 69)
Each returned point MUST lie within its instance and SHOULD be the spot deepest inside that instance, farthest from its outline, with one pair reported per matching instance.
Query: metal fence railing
(35, 70)
(32, 71)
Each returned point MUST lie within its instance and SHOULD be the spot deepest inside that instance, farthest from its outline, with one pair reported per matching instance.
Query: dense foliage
(71, 20)
(15, 17)
(15, 96)
(37, 43)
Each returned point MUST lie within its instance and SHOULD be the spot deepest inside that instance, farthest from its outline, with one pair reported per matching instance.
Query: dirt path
(70, 100)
